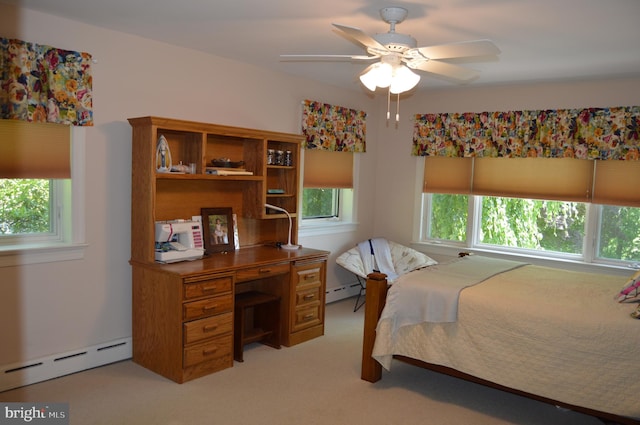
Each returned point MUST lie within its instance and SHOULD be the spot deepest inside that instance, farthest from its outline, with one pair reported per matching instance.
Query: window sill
(561, 263)
(43, 253)
(326, 227)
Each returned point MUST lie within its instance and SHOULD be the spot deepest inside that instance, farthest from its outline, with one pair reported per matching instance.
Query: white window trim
(323, 226)
(72, 245)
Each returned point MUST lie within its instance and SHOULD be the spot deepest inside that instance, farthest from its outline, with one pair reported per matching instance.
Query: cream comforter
(550, 332)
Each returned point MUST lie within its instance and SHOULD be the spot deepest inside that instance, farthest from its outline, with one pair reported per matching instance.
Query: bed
(553, 335)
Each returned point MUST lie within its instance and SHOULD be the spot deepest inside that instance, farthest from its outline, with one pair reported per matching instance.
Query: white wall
(57, 307)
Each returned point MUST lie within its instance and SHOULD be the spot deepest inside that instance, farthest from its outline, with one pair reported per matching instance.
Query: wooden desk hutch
(183, 312)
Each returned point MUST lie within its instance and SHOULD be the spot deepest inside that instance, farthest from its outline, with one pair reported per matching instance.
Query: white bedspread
(554, 333)
(431, 294)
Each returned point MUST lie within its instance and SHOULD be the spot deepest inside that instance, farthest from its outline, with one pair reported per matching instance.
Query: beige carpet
(317, 382)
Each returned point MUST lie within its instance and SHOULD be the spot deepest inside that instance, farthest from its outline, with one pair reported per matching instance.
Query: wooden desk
(183, 312)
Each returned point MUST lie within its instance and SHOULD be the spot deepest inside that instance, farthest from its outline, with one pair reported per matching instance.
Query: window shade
(32, 150)
(327, 169)
(564, 179)
(617, 183)
(447, 175)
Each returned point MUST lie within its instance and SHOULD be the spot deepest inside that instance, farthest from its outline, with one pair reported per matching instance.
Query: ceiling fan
(399, 55)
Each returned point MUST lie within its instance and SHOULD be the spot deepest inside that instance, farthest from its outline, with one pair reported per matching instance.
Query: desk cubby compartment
(257, 319)
(287, 156)
(235, 148)
(184, 146)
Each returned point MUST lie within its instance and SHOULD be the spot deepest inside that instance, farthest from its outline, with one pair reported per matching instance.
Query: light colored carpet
(317, 382)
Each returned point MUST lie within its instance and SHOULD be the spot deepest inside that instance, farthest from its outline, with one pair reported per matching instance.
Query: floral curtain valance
(333, 128)
(593, 133)
(44, 84)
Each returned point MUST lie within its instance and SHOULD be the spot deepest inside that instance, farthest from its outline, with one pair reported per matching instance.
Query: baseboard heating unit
(45, 368)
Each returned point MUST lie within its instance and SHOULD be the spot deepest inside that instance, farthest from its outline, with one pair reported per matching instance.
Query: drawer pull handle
(209, 288)
(264, 271)
(308, 316)
(209, 328)
(309, 276)
(309, 297)
(210, 307)
(209, 351)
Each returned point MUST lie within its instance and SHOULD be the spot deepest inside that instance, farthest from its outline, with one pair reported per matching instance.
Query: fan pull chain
(398, 109)
(388, 104)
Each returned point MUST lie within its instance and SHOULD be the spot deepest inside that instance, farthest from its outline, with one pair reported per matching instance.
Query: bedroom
(90, 298)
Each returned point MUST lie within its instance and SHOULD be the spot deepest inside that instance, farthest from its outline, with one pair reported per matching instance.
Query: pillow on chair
(404, 259)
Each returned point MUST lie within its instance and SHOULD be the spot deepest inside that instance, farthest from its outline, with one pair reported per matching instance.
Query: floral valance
(593, 133)
(44, 84)
(333, 128)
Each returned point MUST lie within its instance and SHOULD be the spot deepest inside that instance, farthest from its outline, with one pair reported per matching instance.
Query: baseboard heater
(45, 368)
(341, 292)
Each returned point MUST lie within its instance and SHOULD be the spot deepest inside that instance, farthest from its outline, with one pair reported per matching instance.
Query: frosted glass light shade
(404, 79)
(379, 75)
(398, 78)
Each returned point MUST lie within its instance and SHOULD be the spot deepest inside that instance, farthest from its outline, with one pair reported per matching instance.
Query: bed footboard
(376, 296)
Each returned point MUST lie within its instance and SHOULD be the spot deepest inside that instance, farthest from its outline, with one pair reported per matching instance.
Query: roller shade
(617, 183)
(564, 179)
(327, 169)
(32, 150)
(447, 175)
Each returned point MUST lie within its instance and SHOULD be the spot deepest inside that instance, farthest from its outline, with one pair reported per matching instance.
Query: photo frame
(217, 224)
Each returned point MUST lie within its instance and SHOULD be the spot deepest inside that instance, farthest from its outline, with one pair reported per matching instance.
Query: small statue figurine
(163, 156)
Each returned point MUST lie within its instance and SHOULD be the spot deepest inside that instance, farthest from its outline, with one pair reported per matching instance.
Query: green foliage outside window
(449, 217)
(24, 206)
(620, 233)
(538, 224)
(317, 203)
(533, 224)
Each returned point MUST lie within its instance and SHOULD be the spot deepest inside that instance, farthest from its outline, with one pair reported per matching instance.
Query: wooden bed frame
(376, 295)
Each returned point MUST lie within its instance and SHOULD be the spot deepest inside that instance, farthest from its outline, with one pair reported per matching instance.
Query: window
(583, 210)
(41, 218)
(548, 228)
(328, 195)
(27, 208)
(619, 233)
(320, 203)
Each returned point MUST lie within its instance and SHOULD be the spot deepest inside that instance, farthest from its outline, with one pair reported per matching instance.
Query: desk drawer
(209, 327)
(262, 272)
(207, 307)
(207, 288)
(308, 296)
(307, 276)
(305, 317)
(215, 349)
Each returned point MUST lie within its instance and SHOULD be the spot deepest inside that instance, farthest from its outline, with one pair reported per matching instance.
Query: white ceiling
(540, 40)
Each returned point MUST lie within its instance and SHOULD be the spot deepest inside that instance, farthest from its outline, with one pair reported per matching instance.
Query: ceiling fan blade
(445, 69)
(460, 50)
(359, 36)
(326, 57)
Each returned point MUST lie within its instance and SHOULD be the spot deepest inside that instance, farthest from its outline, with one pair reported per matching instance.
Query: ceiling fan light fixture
(403, 80)
(379, 75)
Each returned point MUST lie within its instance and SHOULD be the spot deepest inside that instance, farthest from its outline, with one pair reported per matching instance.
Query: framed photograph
(217, 224)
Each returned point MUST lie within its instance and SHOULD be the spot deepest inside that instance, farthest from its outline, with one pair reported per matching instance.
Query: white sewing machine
(178, 240)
